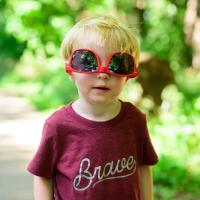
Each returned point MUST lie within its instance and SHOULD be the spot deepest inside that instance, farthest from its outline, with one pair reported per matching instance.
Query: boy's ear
(70, 74)
(71, 77)
(66, 64)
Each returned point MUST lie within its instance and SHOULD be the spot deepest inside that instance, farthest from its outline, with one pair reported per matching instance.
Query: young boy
(97, 147)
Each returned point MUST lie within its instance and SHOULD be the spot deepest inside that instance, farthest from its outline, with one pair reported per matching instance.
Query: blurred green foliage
(163, 35)
(30, 37)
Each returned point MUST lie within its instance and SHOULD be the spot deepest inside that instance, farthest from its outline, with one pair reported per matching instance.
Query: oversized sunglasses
(88, 62)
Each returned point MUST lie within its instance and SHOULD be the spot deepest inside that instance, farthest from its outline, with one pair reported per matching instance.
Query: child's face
(98, 88)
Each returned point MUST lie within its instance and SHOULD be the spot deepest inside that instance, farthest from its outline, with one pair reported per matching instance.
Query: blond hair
(101, 29)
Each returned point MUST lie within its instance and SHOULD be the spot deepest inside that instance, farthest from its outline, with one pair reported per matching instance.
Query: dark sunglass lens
(121, 64)
(84, 60)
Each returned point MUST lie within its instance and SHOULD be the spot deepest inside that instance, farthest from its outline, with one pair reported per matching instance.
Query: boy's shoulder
(58, 116)
(132, 109)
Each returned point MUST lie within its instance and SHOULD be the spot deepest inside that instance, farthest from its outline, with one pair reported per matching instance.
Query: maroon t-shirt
(90, 160)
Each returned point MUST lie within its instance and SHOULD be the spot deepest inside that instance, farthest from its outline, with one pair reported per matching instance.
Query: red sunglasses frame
(100, 69)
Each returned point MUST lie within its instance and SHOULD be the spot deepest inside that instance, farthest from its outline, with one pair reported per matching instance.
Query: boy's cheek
(126, 80)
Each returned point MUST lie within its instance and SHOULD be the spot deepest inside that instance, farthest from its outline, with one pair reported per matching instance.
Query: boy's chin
(101, 101)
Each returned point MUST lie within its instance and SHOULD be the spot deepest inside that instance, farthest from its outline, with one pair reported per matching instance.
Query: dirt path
(20, 130)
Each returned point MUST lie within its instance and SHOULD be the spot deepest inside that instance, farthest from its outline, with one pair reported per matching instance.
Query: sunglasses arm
(68, 68)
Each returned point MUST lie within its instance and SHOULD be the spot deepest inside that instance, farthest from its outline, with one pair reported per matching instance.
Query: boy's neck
(97, 112)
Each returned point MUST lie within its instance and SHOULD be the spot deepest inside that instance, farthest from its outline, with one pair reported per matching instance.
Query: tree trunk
(192, 30)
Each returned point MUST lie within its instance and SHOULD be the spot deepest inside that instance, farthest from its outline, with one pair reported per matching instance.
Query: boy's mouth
(103, 88)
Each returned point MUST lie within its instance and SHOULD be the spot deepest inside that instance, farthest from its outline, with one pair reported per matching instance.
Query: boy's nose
(103, 75)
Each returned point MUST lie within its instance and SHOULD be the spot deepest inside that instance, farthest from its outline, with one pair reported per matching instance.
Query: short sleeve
(149, 156)
(43, 161)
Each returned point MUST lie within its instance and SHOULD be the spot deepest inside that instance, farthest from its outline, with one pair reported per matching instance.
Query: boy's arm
(146, 182)
(43, 188)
